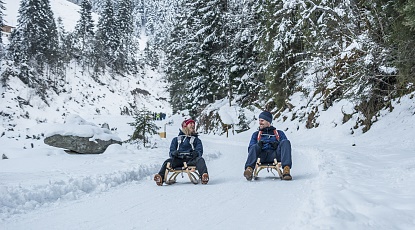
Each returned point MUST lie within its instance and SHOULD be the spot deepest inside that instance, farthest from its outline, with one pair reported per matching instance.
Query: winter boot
(158, 179)
(248, 173)
(205, 178)
(286, 173)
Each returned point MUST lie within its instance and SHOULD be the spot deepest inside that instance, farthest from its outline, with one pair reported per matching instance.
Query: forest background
(257, 54)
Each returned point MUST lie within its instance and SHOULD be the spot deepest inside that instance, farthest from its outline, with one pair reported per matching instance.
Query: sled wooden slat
(275, 165)
(189, 170)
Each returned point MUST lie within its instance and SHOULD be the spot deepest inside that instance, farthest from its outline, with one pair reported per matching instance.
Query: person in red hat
(268, 143)
(186, 147)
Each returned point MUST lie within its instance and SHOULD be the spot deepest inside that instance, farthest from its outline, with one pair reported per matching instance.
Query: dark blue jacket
(267, 137)
(185, 146)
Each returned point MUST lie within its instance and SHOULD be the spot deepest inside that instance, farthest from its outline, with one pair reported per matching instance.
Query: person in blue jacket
(186, 147)
(268, 143)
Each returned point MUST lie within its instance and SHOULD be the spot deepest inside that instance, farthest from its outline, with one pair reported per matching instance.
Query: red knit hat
(187, 122)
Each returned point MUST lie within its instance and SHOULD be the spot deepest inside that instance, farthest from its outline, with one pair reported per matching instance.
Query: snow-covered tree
(2, 9)
(241, 31)
(125, 55)
(197, 60)
(402, 25)
(35, 40)
(156, 20)
(65, 44)
(144, 126)
(84, 35)
(107, 37)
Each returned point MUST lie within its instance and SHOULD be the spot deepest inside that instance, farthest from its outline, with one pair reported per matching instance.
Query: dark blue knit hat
(266, 116)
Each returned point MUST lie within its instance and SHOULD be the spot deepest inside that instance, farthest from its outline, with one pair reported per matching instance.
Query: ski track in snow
(325, 193)
(17, 200)
(337, 186)
(224, 201)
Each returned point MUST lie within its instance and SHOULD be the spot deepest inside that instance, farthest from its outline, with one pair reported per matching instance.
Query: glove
(194, 154)
(274, 144)
(175, 153)
(261, 144)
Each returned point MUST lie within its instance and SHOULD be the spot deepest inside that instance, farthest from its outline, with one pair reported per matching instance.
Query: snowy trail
(336, 185)
(227, 202)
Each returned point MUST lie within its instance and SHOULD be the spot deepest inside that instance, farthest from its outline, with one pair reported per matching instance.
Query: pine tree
(176, 64)
(156, 23)
(64, 51)
(125, 55)
(84, 35)
(35, 38)
(144, 126)
(241, 36)
(197, 61)
(51, 39)
(278, 48)
(107, 38)
(65, 43)
(402, 38)
(2, 8)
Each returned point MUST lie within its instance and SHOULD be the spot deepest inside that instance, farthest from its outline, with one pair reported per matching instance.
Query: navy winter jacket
(185, 146)
(267, 137)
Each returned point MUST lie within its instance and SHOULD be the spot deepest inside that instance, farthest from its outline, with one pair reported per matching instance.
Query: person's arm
(173, 146)
(282, 135)
(254, 140)
(198, 146)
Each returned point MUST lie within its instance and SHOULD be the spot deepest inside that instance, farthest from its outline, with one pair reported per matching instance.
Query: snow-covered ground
(340, 181)
(61, 8)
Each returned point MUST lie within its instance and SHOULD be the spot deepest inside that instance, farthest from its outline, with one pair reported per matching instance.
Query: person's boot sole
(287, 177)
(205, 178)
(248, 175)
(158, 180)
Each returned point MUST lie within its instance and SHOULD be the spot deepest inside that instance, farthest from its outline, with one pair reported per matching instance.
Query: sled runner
(269, 166)
(191, 171)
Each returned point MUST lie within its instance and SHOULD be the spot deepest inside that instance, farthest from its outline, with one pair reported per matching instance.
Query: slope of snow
(342, 182)
(68, 11)
(343, 179)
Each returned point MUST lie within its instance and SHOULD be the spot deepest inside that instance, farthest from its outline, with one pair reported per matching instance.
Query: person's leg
(201, 165)
(284, 153)
(268, 156)
(177, 162)
(159, 178)
(163, 167)
(252, 156)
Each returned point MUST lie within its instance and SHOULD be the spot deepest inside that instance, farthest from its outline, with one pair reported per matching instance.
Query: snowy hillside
(342, 178)
(22, 108)
(340, 181)
(61, 8)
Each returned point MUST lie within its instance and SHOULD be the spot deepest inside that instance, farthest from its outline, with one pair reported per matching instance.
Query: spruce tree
(176, 65)
(84, 35)
(34, 43)
(65, 50)
(143, 126)
(2, 9)
(197, 57)
(156, 22)
(277, 48)
(125, 55)
(402, 39)
(107, 38)
(242, 36)
(65, 43)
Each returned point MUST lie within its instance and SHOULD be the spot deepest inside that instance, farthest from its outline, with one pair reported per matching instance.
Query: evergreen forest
(254, 53)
